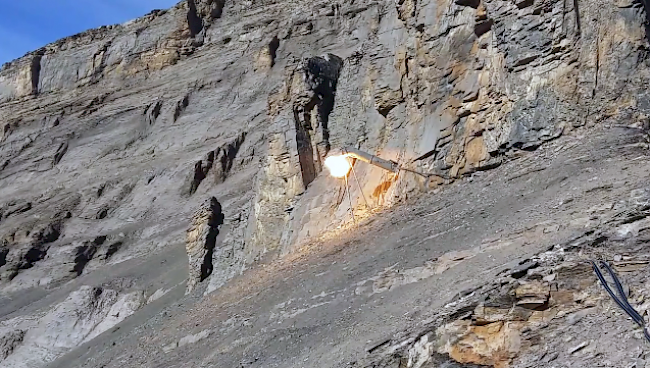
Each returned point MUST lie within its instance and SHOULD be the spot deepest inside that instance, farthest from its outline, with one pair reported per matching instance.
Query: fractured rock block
(494, 344)
(201, 240)
(533, 295)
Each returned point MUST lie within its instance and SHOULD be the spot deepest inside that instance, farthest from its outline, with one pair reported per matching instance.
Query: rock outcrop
(82, 316)
(110, 139)
(446, 88)
(201, 241)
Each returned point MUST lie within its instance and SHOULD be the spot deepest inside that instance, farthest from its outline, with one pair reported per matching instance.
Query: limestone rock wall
(451, 87)
(116, 136)
(113, 55)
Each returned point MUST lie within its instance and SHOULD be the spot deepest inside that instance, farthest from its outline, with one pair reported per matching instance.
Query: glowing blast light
(339, 166)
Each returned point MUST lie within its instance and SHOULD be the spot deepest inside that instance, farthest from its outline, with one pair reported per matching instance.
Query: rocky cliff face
(112, 138)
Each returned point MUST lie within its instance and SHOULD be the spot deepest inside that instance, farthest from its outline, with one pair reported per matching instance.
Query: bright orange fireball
(339, 166)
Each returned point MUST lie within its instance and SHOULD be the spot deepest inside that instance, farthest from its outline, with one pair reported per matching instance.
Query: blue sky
(28, 25)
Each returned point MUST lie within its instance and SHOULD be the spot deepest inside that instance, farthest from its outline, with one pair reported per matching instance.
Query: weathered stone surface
(201, 241)
(9, 341)
(119, 133)
(493, 344)
(83, 315)
(533, 294)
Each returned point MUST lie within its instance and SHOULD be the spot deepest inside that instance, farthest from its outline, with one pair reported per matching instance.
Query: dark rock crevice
(94, 105)
(320, 75)
(6, 131)
(85, 254)
(194, 21)
(200, 171)
(274, 45)
(216, 10)
(471, 3)
(576, 9)
(102, 213)
(304, 146)
(384, 110)
(3, 256)
(181, 106)
(60, 152)
(152, 112)
(36, 70)
(483, 27)
(113, 249)
(201, 241)
(16, 208)
(225, 156)
(215, 221)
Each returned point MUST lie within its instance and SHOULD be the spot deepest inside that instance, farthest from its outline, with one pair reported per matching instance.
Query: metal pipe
(372, 159)
(391, 166)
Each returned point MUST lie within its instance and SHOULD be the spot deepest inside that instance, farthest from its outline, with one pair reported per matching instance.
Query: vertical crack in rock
(274, 45)
(60, 152)
(36, 70)
(152, 112)
(201, 240)
(181, 106)
(225, 156)
(99, 61)
(3, 255)
(576, 9)
(194, 21)
(199, 174)
(320, 76)
(300, 111)
(207, 10)
(303, 143)
(200, 14)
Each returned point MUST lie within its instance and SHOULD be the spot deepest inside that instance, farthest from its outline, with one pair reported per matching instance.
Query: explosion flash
(339, 166)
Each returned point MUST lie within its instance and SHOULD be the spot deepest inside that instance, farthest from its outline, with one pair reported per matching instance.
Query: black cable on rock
(622, 302)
